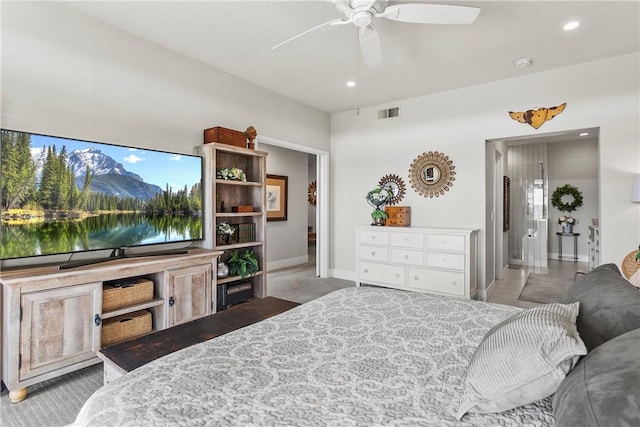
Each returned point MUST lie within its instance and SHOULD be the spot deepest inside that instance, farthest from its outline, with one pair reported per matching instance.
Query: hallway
(507, 290)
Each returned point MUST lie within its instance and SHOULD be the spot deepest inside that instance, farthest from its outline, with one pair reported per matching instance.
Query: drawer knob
(373, 254)
(444, 260)
(415, 278)
(373, 237)
(406, 257)
(398, 275)
(454, 283)
(366, 270)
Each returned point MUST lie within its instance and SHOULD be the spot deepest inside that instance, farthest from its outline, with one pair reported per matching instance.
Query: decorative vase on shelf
(223, 270)
(567, 229)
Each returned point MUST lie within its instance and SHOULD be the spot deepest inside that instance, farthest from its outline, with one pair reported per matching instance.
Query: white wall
(459, 122)
(287, 240)
(574, 163)
(68, 75)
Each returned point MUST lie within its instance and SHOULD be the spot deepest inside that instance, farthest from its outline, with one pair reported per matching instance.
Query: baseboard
(289, 262)
(485, 294)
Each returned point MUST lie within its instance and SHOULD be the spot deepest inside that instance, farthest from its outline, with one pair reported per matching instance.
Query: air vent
(388, 113)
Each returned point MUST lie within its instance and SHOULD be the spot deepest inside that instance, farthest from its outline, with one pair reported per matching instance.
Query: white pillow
(522, 359)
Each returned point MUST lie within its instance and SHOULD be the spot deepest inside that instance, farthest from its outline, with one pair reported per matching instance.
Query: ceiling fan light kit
(362, 13)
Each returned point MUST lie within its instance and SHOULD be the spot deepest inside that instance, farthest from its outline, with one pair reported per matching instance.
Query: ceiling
(237, 37)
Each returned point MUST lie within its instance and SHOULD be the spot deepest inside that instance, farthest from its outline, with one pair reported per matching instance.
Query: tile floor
(507, 290)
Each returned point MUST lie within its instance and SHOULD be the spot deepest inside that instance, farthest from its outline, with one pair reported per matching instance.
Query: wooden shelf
(124, 310)
(237, 214)
(230, 279)
(238, 183)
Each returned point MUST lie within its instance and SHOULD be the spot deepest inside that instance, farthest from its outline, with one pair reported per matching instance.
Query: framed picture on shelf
(277, 188)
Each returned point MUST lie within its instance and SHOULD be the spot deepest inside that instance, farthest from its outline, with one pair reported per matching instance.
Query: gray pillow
(609, 305)
(522, 359)
(604, 387)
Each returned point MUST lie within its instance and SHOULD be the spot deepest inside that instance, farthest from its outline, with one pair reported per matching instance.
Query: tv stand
(119, 253)
(71, 299)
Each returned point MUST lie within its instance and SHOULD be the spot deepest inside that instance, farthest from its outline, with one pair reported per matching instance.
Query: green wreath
(566, 190)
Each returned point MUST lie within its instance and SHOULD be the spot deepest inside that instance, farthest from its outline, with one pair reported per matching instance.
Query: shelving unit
(227, 194)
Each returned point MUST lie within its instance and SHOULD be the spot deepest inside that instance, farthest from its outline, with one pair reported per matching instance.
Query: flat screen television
(64, 196)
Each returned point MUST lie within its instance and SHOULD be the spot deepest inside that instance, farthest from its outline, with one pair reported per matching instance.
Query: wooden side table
(575, 244)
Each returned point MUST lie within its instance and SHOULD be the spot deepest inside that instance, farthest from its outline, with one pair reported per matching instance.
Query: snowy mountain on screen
(98, 162)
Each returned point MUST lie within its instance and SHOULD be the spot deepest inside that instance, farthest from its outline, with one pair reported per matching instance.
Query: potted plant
(377, 198)
(379, 217)
(243, 263)
(225, 231)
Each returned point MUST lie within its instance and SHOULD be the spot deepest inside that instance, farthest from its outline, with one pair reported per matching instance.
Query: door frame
(322, 198)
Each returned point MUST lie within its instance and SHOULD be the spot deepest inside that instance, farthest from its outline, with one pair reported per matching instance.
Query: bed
(361, 356)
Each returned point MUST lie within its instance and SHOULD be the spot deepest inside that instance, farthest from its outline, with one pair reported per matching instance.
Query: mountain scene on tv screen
(59, 196)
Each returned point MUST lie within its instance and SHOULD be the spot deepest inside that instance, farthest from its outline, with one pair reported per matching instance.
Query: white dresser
(438, 260)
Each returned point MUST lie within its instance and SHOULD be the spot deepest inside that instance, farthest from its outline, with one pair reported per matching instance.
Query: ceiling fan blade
(332, 22)
(370, 46)
(423, 13)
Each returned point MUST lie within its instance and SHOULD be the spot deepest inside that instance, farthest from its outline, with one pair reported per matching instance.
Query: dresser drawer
(374, 253)
(407, 256)
(381, 273)
(407, 240)
(374, 237)
(444, 282)
(445, 242)
(445, 260)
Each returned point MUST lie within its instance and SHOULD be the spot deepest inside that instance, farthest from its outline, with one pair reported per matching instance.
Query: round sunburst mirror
(395, 185)
(312, 193)
(432, 174)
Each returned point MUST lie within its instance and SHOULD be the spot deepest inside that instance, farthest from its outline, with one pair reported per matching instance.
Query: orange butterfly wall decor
(536, 118)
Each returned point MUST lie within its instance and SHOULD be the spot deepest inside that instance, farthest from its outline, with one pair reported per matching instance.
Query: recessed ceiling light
(524, 62)
(584, 134)
(571, 25)
(351, 83)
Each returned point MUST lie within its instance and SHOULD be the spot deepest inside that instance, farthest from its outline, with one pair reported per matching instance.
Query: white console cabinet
(438, 260)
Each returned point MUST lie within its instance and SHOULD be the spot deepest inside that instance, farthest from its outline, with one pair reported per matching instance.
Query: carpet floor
(545, 288)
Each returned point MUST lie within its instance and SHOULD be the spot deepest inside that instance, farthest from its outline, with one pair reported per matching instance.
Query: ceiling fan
(361, 13)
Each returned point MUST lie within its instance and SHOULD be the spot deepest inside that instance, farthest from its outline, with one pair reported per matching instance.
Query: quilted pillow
(604, 387)
(608, 305)
(522, 359)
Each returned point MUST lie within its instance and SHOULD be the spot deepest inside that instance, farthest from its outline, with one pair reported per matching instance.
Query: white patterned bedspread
(362, 356)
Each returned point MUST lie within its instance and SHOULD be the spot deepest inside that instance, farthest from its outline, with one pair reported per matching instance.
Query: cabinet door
(58, 328)
(189, 293)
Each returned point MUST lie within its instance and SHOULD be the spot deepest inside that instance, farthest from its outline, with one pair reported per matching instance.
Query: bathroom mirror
(432, 174)
(395, 185)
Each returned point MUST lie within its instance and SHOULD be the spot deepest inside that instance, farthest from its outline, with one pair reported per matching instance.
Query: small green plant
(243, 263)
(379, 214)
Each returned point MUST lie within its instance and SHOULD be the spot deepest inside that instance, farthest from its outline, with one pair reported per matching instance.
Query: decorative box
(398, 216)
(126, 326)
(117, 295)
(225, 136)
(241, 208)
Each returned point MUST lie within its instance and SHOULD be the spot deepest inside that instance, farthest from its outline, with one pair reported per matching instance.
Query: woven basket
(127, 326)
(114, 297)
(630, 265)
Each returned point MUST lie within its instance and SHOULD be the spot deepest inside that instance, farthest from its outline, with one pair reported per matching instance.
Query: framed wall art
(506, 206)
(277, 196)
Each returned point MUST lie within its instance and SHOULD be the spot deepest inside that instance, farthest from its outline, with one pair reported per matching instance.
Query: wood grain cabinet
(52, 319)
(442, 261)
(190, 294)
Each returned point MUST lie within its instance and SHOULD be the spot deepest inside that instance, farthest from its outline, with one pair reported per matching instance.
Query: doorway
(556, 159)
